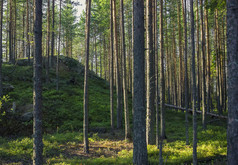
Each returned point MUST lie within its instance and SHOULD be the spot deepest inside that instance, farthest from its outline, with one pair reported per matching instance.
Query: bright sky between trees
(80, 7)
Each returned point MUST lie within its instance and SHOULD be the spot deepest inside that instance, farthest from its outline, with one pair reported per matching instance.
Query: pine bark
(58, 54)
(232, 66)
(139, 120)
(186, 70)
(162, 85)
(37, 89)
(85, 101)
(53, 33)
(118, 80)
(208, 60)
(111, 69)
(194, 87)
(198, 58)
(48, 43)
(1, 50)
(150, 92)
(203, 68)
(126, 110)
(27, 32)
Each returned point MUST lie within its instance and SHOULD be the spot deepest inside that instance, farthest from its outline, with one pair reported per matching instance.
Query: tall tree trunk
(1, 24)
(162, 85)
(57, 60)
(126, 111)
(203, 68)
(53, 33)
(111, 69)
(11, 59)
(48, 43)
(95, 51)
(118, 81)
(194, 87)
(139, 120)
(232, 61)
(198, 58)
(150, 92)
(85, 99)
(132, 55)
(37, 89)
(180, 55)
(27, 32)
(23, 33)
(156, 72)
(217, 62)
(208, 59)
(186, 69)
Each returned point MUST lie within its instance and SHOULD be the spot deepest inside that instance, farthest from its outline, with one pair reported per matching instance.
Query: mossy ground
(63, 117)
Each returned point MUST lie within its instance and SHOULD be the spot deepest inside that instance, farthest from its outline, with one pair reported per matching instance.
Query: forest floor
(105, 148)
(62, 124)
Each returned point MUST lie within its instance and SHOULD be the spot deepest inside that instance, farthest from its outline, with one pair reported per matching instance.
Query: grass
(63, 117)
(67, 148)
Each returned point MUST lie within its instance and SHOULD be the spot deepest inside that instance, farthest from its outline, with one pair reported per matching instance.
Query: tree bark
(1, 24)
(150, 92)
(111, 69)
(203, 68)
(85, 100)
(162, 85)
(118, 81)
(126, 111)
(27, 32)
(194, 87)
(37, 89)
(57, 62)
(208, 60)
(198, 58)
(186, 70)
(232, 66)
(139, 120)
(53, 33)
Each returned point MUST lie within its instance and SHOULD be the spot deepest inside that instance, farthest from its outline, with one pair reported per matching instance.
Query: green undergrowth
(211, 146)
(62, 109)
(63, 120)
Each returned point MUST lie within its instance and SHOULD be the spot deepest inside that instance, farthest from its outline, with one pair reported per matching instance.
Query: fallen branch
(190, 110)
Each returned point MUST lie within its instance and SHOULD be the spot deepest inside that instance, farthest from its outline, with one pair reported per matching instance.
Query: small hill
(62, 109)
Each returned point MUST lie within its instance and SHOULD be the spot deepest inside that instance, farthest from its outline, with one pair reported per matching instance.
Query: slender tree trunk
(111, 69)
(118, 81)
(132, 55)
(232, 61)
(100, 54)
(11, 59)
(156, 72)
(186, 69)
(1, 24)
(180, 55)
(85, 99)
(48, 43)
(198, 58)
(217, 62)
(27, 32)
(208, 60)
(95, 53)
(194, 87)
(57, 62)
(162, 85)
(139, 120)
(126, 111)
(53, 33)
(203, 69)
(37, 90)
(150, 92)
